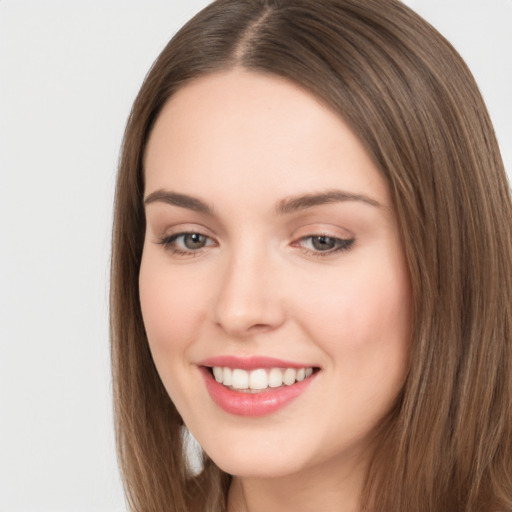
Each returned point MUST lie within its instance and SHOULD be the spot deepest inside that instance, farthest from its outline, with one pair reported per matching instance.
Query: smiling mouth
(261, 379)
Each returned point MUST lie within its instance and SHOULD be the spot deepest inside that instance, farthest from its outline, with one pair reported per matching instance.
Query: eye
(192, 241)
(323, 243)
(320, 245)
(186, 243)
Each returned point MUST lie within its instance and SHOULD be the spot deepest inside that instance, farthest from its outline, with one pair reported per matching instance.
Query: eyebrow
(303, 202)
(283, 207)
(181, 200)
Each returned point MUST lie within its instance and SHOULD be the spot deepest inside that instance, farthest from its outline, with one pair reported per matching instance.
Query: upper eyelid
(169, 243)
(174, 236)
(185, 233)
(184, 229)
(295, 237)
(326, 235)
(337, 238)
(300, 233)
(320, 229)
(343, 245)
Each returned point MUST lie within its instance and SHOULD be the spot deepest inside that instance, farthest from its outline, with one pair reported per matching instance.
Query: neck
(331, 488)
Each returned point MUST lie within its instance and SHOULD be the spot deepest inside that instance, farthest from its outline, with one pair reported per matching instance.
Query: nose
(250, 297)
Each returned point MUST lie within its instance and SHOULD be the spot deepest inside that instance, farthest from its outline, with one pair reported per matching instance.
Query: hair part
(411, 100)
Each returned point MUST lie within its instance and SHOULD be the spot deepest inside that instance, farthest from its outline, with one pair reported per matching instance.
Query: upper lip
(252, 362)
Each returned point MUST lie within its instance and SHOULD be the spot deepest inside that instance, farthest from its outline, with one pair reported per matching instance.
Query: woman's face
(272, 254)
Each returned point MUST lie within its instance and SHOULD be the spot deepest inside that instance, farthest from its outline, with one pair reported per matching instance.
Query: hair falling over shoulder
(405, 92)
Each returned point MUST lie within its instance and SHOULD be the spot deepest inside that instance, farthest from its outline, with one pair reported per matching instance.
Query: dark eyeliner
(169, 243)
(342, 245)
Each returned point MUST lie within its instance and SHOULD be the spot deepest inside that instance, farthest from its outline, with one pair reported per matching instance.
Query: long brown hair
(447, 444)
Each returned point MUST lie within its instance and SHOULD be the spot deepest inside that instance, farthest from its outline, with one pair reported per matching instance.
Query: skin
(243, 143)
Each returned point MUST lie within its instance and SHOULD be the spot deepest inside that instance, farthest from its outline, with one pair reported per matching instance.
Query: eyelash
(340, 244)
(170, 244)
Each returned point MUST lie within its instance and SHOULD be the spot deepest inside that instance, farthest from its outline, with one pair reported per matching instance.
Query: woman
(312, 269)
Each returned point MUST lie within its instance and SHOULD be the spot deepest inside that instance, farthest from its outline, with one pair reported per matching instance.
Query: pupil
(323, 243)
(194, 241)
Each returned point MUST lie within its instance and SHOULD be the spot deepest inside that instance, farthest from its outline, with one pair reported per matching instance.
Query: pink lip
(250, 363)
(253, 404)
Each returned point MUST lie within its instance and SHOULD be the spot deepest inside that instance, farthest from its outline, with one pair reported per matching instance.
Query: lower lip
(253, 404)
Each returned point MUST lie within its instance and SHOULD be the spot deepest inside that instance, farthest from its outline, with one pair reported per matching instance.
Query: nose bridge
(247, 298)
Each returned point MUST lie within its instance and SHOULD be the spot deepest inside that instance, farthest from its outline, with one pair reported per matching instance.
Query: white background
(69, 71)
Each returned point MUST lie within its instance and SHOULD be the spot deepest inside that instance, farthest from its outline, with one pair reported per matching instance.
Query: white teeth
(228, 377)
(218, 374)
(258, 379)
(289, 376)
(261, 378)
(240, 379)
(275, 378)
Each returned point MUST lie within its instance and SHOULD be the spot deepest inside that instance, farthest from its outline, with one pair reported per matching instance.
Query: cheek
(172, 312)
(368, 338)
(171, 305)
(358, 307)
(361, 318)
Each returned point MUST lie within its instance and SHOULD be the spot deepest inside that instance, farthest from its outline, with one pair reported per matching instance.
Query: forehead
(250, 130)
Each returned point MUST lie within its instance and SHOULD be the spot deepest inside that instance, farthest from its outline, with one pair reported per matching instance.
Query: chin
(249, 456)
(256, 467)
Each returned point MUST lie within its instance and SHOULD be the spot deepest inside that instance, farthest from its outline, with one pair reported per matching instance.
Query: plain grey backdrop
(69, 71)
